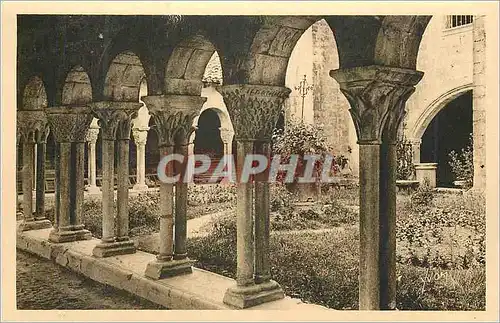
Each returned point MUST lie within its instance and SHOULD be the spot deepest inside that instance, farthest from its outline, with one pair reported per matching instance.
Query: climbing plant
(404, 152)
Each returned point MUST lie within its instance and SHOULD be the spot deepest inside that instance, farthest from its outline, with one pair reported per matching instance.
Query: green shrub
(405, 168)
(279, 198)
(449, 235)
(206, 194)
(462, 164)
(299, 138)
(423, 195)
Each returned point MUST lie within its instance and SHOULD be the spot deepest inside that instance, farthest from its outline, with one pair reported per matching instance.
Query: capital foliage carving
(173, 115)
(69, 124)
(92, 135)
(115, 118)
(254, 109)
(377, 96)
(32, 126)
(140, 136)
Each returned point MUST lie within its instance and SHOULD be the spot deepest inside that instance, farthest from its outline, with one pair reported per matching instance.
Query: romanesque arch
(435, 107)
(124, 77)
(449, 130)
(34, 95)
(186, 65)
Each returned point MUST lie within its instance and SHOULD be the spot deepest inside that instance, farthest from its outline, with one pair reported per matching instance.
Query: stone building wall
(479, 102)
(315, 55)
(445, 56)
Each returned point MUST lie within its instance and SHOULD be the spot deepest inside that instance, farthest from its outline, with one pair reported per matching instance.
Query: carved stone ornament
(140, 136)
(92, 135)
(69, 124)
(115, 118)
(377, 96)
(32, 126)
(173, 114)
(254, 109)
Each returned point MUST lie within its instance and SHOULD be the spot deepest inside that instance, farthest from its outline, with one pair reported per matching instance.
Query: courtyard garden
(314, 243)
(314, 246)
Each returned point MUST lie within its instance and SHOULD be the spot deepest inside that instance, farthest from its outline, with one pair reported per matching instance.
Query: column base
(35, 225)
(139, 187)
(115, 248)
(248, 296)
(93, 190)
(69, 234)
(170, 268)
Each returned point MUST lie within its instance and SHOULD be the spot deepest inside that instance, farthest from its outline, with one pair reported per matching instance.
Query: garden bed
(440, 253)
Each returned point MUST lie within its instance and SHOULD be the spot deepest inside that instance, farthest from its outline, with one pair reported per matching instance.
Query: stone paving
(41, 284)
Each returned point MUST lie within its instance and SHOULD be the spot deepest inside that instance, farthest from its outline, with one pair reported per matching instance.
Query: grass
(440, 245)
(322, 266)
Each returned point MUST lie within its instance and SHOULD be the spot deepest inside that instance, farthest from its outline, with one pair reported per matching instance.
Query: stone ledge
(199, 290)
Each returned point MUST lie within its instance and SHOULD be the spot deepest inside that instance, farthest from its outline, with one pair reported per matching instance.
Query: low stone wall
(196, 291)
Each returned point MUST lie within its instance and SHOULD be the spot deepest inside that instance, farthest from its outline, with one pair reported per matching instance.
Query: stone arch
(314, 55)
(124, 77)
(435, 107)
(272, 46)
(208, 138)
(186, 65)
(225, 121)
(361, 41)
(34, 95)
(77, 88)
(398, 40)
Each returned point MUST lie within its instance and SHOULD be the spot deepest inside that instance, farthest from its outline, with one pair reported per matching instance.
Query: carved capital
(32, 126)
(226, 135)
(140, 136)
(69, 124)
(92, 135)
(173, 115)
(115, 118)
(254, 109)
(377, 96)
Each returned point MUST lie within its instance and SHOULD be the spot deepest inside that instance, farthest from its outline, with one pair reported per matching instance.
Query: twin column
(33, 129)
(377, 95)
(254, 110)
(173, 116)
(115, 119)
(69, 126)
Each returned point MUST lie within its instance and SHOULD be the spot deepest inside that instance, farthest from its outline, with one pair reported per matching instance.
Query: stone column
(140, 139)
(377, 96)
(92, 135)
(254, 110)
(480, 101)
(114, 119)
(40, 175)
(262, 219)
(31, 126)
(181, 195)
(227, 138)
(173, 116)
(69, 126)
(191, 140)
(123, 172)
